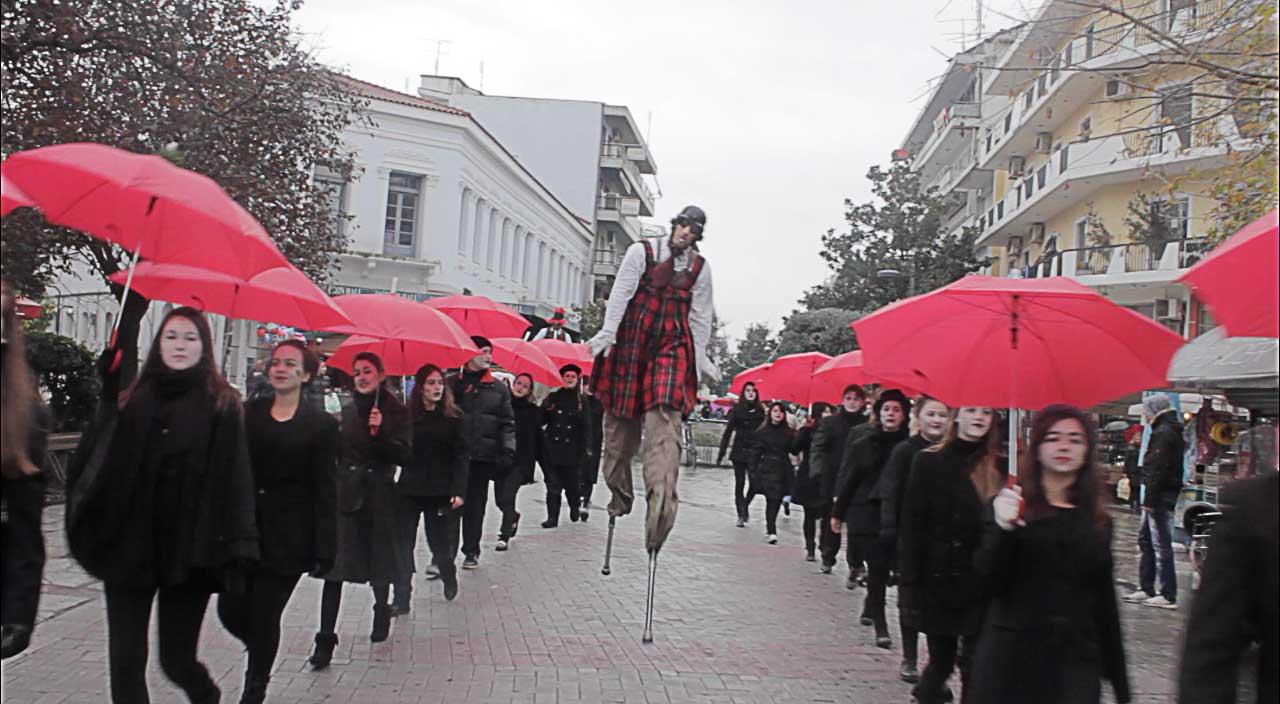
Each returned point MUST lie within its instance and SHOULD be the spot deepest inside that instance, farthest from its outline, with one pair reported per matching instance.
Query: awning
(1214, 360)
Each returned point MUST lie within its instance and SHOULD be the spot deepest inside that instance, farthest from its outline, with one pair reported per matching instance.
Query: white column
(464, 219)
(481, 226)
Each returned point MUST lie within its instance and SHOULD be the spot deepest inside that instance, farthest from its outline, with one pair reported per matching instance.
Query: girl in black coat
(771, 445)
(808, 485)
(292, 448)
(376, 436)
(161, 505)
(942, 520)
(744, 418)
(1052, 630)
(528, 418)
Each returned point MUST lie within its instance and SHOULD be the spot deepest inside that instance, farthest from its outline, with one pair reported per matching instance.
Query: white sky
(766, 114)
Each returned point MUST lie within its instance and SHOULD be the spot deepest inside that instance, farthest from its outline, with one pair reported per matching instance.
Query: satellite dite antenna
(442, 47)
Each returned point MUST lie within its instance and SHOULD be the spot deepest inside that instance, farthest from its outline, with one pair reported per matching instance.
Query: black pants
(910, 637)
(945, 653)
(180, 611)
(441, 525)
(742, 495)
(561, 478)
(254, 618)
(477, 500)
(829, 544)
(21, 549)
(878, 555)
(771, 508)
(814, 518)
(505, 490)
(331, 602)
(588, 477)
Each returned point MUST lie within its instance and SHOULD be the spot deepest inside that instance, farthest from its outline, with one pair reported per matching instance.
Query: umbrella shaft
(128, 282)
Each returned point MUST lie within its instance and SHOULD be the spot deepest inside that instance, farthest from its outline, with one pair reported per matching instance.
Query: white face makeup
(1064, 448)
(777, 415)
(749, 392)
(481, 361)
(286, 370)
(933, 418)
(433, 388)
(180, 345)
(853, 402)
(972, 423)
(521, 387)
(366, 376)
(891, 415)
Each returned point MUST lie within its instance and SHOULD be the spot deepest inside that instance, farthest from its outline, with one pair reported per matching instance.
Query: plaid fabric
(653, 363)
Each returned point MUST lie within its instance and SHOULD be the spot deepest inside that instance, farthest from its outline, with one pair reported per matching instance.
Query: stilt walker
(650, 351)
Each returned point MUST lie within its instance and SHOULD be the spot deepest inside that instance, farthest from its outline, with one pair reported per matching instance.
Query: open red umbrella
(1240, 279)
(790, 378)
(753, 374)
(11, 196)
(27, 309)
(281, 295)
(399, 357)
(520, 356)
(563, 353)
(479, 315)
(416, 333)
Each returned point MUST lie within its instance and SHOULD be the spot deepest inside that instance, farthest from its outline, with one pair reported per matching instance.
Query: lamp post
(894, 274)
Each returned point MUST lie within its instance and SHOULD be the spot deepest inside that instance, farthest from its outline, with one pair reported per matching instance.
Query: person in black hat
(490, 431)
(566, 428)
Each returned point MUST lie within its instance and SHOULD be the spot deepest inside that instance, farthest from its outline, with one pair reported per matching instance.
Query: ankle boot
(323, 655)
(255, 690)
(381, 623)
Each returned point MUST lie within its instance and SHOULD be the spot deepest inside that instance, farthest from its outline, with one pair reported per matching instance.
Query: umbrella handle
(115, 329)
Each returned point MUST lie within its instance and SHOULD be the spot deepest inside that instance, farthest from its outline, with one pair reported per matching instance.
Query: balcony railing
(623, 204)
(1123, 258)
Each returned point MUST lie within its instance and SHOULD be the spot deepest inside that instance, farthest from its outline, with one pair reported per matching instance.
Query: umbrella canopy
(27, 309)
(144, 204)
(281, 295)
(1240, 279)
(523, 357)
(563, 353)
(424, 334)
(790, 378)
(753, 374)
(399, 357)
(482, 316)
(11, 196)
(1020, 343)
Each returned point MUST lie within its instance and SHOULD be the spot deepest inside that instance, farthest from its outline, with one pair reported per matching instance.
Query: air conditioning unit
(1017, 165)
(1044, 142)
(1168, 309)
(1037, 232)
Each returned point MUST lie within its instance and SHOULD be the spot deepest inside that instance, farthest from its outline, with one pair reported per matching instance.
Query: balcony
(624, 210)
(637, 153)
(605, 262)
(1128, 263)
(615, 156)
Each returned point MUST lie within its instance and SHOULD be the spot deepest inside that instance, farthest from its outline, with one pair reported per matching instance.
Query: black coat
(23, 550)
(743, 419)
(440, 461)
(827, 449)
(770, 463)
(528, 424)
(894, 481)
(566, 429)
(807, 490)
(942, 522)
(491, 424)
(865, 457)
(293, 479)
(1052, 627)
(1162, 465)
(1236, 604)
(595, 444)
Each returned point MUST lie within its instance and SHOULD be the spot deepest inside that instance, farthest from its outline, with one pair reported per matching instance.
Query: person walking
(808, 485)
(941, 525)
(1132, 472)
(565, 434)
(771, 445)
(528, 420)
(864, 461)
(746, 416)
(25, 427)
(161, 505)
(827, 450)
(1161, 484)
(292, 451)
(491, 440)
(931, 419)
(433, 483)
(376, 437)
(590, 473)
(1052, 628)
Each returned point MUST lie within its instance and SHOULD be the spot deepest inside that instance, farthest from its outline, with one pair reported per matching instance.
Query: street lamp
(894, 275)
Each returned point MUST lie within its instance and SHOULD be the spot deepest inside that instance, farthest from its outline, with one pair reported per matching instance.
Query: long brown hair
(17, 396)
(447, 406)
(222, 393)
(1085, 492)
(768, 417)
(987, 477)
(742, 398)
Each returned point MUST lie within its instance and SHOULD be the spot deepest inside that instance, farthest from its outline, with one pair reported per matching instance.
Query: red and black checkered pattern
(652, 362)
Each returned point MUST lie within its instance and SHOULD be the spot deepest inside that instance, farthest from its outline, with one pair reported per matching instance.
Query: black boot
(449, 575)
(323, 655)
(809, 555)
(381, 623)
(255, 690)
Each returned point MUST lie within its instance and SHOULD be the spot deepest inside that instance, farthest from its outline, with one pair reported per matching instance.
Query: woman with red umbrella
(745, 418)
(376, 436)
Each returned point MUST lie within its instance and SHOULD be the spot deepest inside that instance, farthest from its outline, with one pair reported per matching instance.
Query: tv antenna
(442, 49)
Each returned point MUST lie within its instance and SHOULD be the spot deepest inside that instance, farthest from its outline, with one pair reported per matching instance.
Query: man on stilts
(650, 350)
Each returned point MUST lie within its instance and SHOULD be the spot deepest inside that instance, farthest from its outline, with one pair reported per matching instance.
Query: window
(1174, 7)
(1008, 121)
(1176, 215)
(1042, 175)
(1175, 113)
(1066, 55)
(1028, 98)
(1041, 85)
(336, 198)
(1082, 233)
(970, 92)
(1088, 41)
(1029, 186)
(403, 194)
(1063, 160)
(988, 139)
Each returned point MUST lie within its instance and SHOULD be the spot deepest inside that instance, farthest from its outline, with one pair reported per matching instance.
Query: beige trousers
(661, 426)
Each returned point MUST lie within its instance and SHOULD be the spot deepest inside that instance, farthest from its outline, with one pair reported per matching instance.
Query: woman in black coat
(771, 445)
(1052, 630)
(744, 418)
(376, 436)
(807, 490)
(942, 520)
(292, 449)
(528, 417)
(161, 506)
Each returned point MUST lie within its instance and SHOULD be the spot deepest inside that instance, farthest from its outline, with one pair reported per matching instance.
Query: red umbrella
(522, 357)
(845, 369)
(27, 309)
(754, 375)
(281, 295)
(11, 196)
(1240, 279)
(482, 316)
(1019, 343)
(144, 204)
(563, 353)
(790, 378)
(415, 332)
(399, 357)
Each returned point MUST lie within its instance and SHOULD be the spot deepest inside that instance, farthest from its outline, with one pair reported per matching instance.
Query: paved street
(737, 621)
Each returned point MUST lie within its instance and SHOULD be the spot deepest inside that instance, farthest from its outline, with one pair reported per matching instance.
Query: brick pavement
(737, 621)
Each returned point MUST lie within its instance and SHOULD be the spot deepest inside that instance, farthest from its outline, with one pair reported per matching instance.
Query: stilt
(608, 546)
(648, 611)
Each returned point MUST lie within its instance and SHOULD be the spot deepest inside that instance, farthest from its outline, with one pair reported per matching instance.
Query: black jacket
(293, 480)
(865, 458)
(23, 550)
(827, 449)
(528, 423)
(807, 490)
(743, 419)
(1236, 604)
(1162, 465)
(566, 429)
(770, 463)
(440, 460)
(1052, 623)
(893, 483)
(491, 424)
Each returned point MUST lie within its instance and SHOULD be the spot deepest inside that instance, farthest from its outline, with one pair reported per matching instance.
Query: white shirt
(628, 280)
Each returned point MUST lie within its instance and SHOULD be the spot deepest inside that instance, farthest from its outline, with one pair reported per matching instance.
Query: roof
(373, 90)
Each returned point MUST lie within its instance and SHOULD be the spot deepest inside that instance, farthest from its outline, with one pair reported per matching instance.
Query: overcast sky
(766, 114)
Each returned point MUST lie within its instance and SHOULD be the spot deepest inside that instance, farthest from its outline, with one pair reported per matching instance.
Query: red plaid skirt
(652, 363)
